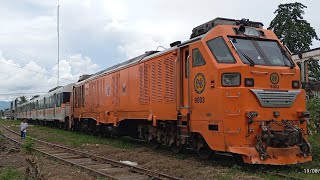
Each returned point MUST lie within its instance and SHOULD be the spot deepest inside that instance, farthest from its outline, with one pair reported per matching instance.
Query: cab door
(184, 80)
(183, 98)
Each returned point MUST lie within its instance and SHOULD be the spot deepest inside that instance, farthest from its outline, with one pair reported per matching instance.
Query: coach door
(54, 104)
(44, 106)
(37, 108)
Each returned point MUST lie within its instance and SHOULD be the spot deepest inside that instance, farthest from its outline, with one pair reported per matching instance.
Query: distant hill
(4, 104)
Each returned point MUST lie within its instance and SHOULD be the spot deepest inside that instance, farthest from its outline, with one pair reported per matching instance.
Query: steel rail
(94, 158)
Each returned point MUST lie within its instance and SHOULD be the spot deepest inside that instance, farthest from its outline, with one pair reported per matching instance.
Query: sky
(96, 34)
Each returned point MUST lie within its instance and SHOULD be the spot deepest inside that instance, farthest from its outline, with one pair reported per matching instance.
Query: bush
(10, 173)
(314, 109)
(28, 146)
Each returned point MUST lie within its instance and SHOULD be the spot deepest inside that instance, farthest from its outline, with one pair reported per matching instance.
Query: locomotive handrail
(288, 74)
(189, 93)
(258, 72)
(227, 95)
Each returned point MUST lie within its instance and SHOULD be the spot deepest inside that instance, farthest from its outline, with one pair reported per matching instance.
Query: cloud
(96, 34)
(32, 78)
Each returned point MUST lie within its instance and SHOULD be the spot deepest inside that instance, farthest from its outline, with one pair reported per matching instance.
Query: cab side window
(197, 58)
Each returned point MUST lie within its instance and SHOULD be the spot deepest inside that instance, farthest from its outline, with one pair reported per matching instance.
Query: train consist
(232, 87)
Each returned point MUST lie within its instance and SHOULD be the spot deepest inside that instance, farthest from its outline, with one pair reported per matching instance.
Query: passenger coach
(53, 107)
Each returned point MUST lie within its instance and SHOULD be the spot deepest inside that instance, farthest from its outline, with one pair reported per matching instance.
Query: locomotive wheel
(175, 148)
(205, 152)
(154, 144)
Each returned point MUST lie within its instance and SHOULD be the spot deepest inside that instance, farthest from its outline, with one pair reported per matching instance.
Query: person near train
(23, 129)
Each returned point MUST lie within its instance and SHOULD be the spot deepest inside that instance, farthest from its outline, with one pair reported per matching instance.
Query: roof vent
(204, 28)
(53, 89)
(84, 77)
(175, 43)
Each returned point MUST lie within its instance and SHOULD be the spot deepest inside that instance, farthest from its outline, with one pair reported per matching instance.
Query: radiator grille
(276, 98)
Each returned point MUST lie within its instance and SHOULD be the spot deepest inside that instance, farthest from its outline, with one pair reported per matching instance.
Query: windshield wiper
(284, 57)
(243, 54)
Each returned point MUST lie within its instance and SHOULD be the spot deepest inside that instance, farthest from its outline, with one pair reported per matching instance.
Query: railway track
(98, 165)
(283, 176)
(105, 167)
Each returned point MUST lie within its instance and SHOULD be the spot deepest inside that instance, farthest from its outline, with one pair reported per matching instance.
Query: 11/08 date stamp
(311, 171)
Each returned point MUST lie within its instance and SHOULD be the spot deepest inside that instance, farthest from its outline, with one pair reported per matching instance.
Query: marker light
(249, 82)
(295, 84)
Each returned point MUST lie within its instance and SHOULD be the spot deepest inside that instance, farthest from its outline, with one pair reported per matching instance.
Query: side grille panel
(276, 98)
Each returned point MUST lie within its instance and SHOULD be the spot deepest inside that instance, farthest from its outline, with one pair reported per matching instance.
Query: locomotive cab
(247, 97)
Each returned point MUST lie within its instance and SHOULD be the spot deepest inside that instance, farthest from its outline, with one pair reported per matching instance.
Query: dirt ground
(186, 165)
(14, 158)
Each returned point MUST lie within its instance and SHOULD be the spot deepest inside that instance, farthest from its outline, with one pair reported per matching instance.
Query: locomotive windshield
(220, 50)
(259, 52)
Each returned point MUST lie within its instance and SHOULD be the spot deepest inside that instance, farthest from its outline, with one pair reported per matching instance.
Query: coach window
(197, 58)
(44, 103)
(220, 50)
(58, 100)
(49, 102)
(66, 97)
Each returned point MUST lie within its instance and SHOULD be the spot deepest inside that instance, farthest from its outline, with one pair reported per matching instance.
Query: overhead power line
(9, 94)
(36, 71)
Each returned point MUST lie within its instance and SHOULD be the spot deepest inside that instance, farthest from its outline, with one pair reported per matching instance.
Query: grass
(28, 146)
(10, 173)
(9, 122)
(77, 139)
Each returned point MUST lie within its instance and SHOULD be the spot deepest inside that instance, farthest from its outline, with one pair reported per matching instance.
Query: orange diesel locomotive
(231, 88)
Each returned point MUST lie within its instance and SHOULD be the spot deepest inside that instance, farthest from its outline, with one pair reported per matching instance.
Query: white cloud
(104, 32)
(32, 78)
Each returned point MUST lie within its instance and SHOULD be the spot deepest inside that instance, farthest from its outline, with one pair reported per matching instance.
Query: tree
(22, 99)
(314, 70)
(295, 32)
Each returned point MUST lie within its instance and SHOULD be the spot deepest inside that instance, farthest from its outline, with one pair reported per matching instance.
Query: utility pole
(58, 31)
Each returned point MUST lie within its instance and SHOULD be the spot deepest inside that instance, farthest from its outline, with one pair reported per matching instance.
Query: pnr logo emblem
(274, 78)
(199, 83)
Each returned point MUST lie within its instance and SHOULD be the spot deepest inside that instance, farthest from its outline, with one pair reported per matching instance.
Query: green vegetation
(28, 146)
(314, 109)
(10, 173)
(77, 139)
(9, 122)
(295, 32)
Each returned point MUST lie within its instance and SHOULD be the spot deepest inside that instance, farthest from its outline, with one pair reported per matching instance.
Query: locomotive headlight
(230, 79)
(248, 31)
